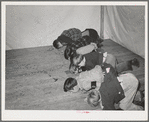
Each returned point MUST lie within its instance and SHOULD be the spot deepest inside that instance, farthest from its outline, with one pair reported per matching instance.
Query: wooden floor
(35, 78)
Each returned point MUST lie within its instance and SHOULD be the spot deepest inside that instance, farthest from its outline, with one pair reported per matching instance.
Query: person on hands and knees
(85, 81)
(115, 89)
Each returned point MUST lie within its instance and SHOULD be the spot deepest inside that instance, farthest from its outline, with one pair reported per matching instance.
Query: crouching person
(85, 81)
(67, 37)
(84, 41)
(88, 61)
(93, 34)
(115, 89)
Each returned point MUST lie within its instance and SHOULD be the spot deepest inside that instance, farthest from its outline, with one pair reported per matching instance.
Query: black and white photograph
(75, 60)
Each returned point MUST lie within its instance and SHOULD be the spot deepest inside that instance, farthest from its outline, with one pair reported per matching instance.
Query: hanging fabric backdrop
(126, 26)
(33, 26)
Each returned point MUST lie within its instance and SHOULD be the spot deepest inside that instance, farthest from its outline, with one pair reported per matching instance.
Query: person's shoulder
(96, 70)
(96, 54)
(91, 55)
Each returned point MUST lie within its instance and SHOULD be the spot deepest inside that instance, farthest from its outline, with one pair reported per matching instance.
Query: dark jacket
(93, 59)
(110, 90)
(93, 34)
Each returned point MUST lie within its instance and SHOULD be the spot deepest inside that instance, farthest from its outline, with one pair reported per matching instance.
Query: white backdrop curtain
(33, 26)
(126, 26)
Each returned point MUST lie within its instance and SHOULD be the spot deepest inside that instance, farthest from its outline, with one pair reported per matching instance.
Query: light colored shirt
(87, 49)
(85, 78)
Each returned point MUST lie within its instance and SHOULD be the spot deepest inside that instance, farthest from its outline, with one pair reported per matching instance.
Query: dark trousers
(124, 66)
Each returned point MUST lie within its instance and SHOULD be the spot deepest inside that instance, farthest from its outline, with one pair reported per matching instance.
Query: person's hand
(84, 91)
(104, 73)
(79, 70)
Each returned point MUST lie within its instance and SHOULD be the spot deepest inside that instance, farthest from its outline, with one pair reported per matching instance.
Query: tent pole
(102, 22)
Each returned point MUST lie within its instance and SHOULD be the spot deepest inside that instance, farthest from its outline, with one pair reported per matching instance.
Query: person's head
(92, 33)
(68, 52)
(71, 85)
(93, 98)
(77, 60)
(57, 44)
(73, 69)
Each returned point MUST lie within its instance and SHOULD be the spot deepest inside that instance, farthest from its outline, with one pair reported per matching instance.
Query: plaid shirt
(72, 33)
(86, 40)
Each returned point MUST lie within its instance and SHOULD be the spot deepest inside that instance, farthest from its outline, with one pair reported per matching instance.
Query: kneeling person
(115, 89)
(85, 81)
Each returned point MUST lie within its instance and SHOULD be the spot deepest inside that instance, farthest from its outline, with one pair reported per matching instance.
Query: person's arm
(83, 68)
(100, 77)
(98, 84)
(89, 66)
(86, 49)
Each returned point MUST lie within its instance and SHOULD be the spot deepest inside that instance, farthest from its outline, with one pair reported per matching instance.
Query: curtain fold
(33, 26)
(126, 26)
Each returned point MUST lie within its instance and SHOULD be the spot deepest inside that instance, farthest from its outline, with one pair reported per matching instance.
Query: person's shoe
(139, 103)
(135, 62)
(138, 96)
(139, 99)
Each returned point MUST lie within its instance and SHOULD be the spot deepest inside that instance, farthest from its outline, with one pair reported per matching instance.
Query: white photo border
(53, 115)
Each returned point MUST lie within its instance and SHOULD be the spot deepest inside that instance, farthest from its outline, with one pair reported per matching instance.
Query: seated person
(115, 89)
(90, 60)
(93, 34)
(71, 48)
(67, 37)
